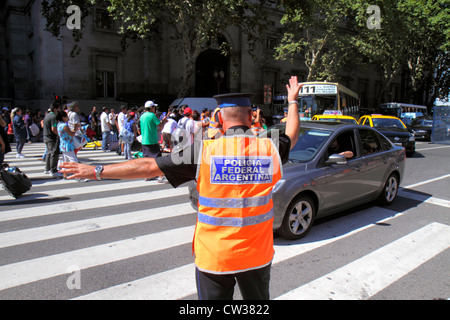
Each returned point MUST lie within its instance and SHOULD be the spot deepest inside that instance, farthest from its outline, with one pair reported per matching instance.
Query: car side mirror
(336, 159)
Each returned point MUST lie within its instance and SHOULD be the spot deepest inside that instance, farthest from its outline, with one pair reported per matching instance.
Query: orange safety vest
(256, 128)
(215, 128)
(235, 209)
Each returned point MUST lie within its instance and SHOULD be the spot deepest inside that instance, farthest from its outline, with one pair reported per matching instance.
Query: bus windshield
(391, 111)
(312, 105)
(316, 97)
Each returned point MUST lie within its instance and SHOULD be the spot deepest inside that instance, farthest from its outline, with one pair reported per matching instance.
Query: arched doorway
(211, 73)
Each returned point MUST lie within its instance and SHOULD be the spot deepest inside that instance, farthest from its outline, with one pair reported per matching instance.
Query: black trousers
(51, 159)
(253, 284)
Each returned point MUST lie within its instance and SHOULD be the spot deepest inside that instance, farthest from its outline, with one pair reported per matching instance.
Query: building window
(105, 84)
(271, 43)
(103, 20)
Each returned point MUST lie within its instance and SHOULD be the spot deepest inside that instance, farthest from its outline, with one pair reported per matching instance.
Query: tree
(426, 34)
(381, 46)
(316, 31)
(414, 36)
(196, 23)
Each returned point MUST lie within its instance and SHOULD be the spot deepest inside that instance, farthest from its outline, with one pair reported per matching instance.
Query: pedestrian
(4, 143)
(206, 118)
(51, 141)
(38, 120)
(128, 134)
(121, 118)
(74, 121)
(28, 119)
(94, 122)
(149, 123)
(197, 126)
(113, 121)
(65, 134)
(185, 128)
(214, 130)
(167, 131)
(257, 125)
(20, 131)
(106, 129)
(233, 238)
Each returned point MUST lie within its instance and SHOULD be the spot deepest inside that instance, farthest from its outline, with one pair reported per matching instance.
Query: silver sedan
(332, 167)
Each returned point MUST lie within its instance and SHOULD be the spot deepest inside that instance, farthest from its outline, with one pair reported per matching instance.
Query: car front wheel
(298, 219)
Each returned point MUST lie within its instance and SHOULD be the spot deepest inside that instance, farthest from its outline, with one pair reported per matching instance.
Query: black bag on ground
(15, 181)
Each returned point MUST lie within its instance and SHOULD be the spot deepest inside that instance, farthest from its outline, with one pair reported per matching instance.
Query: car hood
(398, 132)
(294, 167)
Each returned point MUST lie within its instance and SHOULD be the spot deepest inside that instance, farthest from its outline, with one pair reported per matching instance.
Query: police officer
(235, 174)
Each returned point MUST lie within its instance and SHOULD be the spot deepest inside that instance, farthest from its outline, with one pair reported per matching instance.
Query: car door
(342, 180)
(375, 162)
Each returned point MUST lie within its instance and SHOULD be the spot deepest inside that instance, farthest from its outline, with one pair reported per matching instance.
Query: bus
(319, 97)
(398, 109)
(406, 112)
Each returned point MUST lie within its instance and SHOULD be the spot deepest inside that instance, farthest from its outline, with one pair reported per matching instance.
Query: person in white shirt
(74, 120)
(169, 127)
(121, 118)
(106, 129)
(113, 120)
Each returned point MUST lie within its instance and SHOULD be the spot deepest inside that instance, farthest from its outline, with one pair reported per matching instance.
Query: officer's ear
(218, 118)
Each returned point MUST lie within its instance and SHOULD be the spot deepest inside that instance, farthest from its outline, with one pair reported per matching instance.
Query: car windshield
(309, 143)
(387, 123)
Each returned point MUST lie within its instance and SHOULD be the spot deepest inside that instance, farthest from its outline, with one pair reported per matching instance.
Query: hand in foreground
(78, 170)
(293, 88)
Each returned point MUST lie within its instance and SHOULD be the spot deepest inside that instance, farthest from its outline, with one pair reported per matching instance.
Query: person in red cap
(187, 125)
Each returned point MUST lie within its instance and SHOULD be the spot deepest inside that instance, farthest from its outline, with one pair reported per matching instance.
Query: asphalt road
(132, 240)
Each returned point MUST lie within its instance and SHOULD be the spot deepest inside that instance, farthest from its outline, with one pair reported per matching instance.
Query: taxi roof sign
(333, 112)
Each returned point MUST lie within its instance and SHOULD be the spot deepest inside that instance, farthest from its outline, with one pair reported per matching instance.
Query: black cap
(234, 100)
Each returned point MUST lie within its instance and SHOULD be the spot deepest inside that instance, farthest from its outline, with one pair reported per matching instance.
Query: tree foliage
(413, 38)
(314, 31)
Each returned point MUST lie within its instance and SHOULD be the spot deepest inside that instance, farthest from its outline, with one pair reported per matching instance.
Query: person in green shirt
(149, 125)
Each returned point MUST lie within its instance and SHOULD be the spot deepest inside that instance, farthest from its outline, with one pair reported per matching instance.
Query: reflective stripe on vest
(235, 222)
(234, 202)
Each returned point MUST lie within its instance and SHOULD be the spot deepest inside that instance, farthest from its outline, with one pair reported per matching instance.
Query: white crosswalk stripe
(61, 224)
(370, 274)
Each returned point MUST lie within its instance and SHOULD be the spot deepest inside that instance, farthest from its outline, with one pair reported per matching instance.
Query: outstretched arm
(133, 169)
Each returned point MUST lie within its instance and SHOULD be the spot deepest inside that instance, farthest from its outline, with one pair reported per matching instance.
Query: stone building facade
(35, 66)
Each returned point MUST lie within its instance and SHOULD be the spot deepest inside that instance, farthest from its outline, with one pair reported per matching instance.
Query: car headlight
(278, 185)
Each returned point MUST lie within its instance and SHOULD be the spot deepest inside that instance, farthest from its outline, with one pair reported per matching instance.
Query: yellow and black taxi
(335, 116)
(393, 128)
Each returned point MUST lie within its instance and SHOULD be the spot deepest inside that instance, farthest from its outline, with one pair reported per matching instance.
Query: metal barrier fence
(441, 125)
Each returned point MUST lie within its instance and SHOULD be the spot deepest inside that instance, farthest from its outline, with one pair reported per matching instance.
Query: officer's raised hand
(293, 119)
